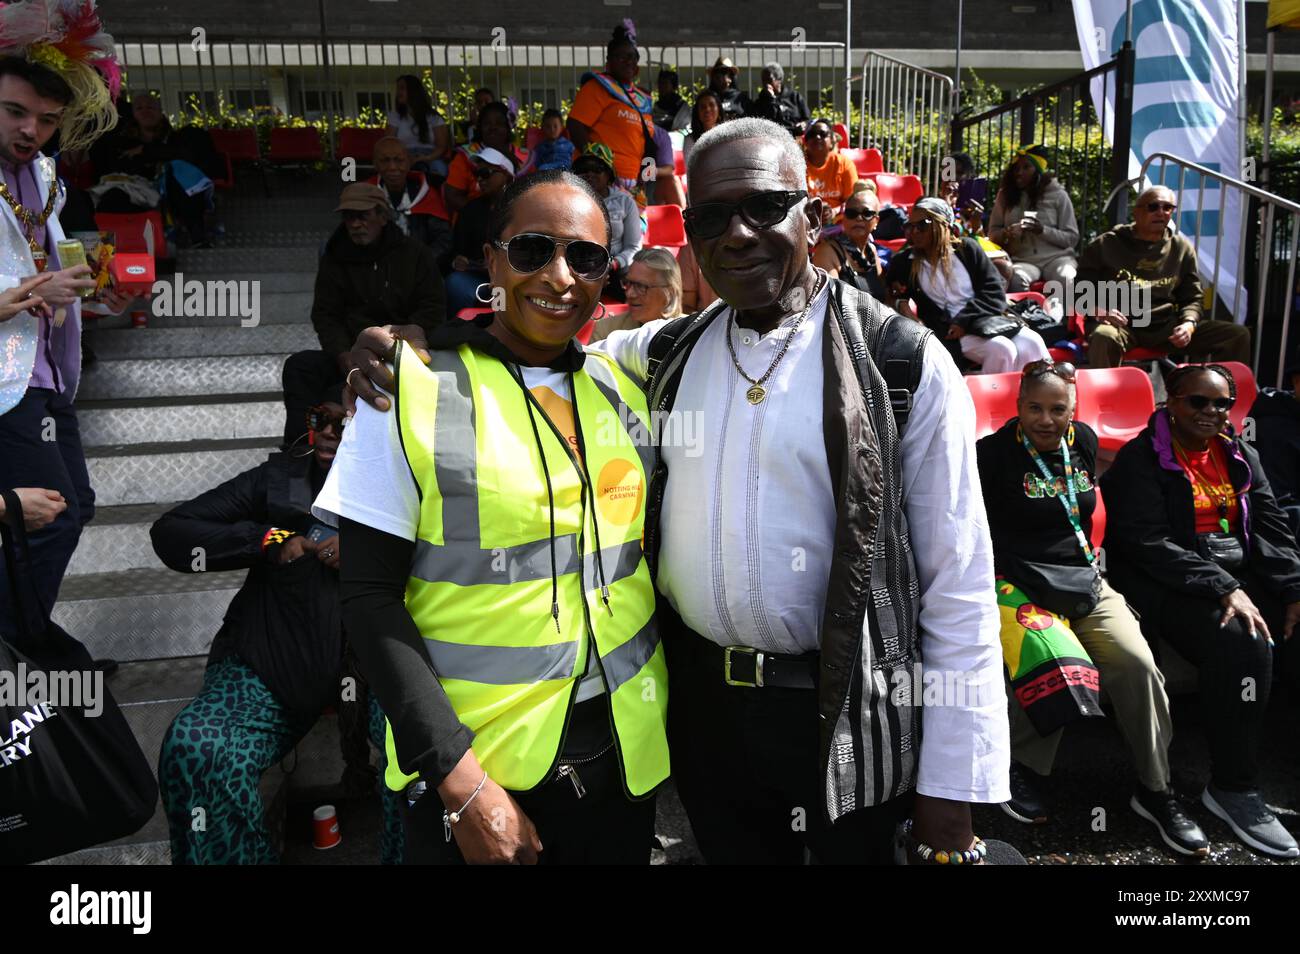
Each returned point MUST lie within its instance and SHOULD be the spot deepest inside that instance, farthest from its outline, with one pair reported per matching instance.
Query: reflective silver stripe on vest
(469, 565)
(502, 665)
(638, 432)
(455, 453)
(627, 660)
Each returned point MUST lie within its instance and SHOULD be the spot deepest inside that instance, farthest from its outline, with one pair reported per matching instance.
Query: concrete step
(196, 342)
(118, 539)
(156, 473)
(131, 615)
(274, 308)
(181, 377)
(152, 420)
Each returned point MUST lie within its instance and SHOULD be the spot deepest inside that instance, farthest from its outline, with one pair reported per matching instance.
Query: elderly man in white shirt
(833, 648)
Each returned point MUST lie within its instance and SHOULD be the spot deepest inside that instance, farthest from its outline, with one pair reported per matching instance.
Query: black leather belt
(755, 669)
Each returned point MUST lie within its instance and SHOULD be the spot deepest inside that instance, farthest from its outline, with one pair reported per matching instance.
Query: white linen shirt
(748, 522)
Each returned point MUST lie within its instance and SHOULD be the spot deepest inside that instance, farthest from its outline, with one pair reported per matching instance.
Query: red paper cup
(325, 827)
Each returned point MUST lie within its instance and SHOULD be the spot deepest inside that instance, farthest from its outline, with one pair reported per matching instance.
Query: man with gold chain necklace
(57, 74)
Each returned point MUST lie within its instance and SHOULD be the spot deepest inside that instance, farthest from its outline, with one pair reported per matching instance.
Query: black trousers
(307, 375)
(602, 828)
(1233, 709)
(746, 765)
(29, 459)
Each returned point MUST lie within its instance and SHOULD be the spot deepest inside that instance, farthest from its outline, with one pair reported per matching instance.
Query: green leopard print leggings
(213, 757)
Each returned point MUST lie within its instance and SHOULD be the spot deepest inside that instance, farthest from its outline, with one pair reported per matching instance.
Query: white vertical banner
(1186, 102)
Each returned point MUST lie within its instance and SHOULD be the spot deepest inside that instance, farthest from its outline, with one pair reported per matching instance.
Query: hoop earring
(478, 293)
(603, 311)
(1069, 437)
(298, 440)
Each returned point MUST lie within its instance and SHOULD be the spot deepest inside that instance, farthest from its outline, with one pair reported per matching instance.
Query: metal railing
(1062, 117)
(905, 114)
(1264, 266)
(306, 78)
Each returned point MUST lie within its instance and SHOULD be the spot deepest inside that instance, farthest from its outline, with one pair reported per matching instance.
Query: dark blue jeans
(40, 446)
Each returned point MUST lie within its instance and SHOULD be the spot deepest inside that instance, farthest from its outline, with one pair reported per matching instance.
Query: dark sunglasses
(817, 132)
(530, 252)
(320, 417)
(1199, 402)
(1062, 369)
(918, 226)
(860, 214)
(1160, 206)
(762, 210)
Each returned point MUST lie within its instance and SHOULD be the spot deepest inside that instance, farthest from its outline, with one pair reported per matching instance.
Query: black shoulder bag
(71, 772)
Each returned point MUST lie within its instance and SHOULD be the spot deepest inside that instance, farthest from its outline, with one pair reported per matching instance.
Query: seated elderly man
(418, 207)
(780, 103)
(370, 274)
(1151, 256)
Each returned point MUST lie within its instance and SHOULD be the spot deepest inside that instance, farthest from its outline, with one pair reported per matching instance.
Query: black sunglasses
(860, 214)
(1160, 206)
(817, 132)
(530, 252)
(320, 417)
(1062, 369)
(762, 210)
(1199, 402)
(918, 226)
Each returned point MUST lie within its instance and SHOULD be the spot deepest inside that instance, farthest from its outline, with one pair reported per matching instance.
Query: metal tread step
(157, 472)
(107, 422)
(118, 539)
(225, 340)
(175, 377)
(127, 584)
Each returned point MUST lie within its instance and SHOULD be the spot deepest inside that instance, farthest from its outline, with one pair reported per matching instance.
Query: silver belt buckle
(758, 666)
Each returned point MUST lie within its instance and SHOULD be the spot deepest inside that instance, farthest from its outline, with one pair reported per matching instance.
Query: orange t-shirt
(1211, 486)
(460, 174)
(614, 123)
(833, 181)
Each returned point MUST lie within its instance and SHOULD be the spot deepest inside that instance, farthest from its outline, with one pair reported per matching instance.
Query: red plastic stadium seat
(134, 231)
(532, 136)
(679, 162)
(615, 308)
(1116, 402)
(842, 132)
(469, 314)
(1098, 519)
(228, 180)
(295, 144)
(865, 160)
(239, 145)
(584, 333)
(1028, 295)
(1037, 286)
(664, 226)
(995, 400)
(360, 143)
(901, 191)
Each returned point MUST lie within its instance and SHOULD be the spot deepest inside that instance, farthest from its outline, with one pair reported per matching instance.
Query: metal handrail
(1043, 92)
(905, 85)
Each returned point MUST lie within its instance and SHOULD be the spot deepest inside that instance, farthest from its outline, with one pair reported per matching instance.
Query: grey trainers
(1251, 821)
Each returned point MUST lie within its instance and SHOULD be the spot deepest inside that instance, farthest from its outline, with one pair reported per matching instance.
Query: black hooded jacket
(1276, 415)
(285, 621)
(394, 281)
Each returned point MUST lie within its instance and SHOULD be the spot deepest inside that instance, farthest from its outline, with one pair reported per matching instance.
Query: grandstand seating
(865, 160)
(901, 191)
(1116, 402)
(295, 145)
(359, 143)
(664, 226)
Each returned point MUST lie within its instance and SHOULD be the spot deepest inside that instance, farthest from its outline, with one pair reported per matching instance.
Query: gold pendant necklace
(756, 393)
(29, 223)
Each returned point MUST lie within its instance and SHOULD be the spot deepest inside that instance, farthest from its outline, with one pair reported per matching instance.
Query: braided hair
(1174, 379)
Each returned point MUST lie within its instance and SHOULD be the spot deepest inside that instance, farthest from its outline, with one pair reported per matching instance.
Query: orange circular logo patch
(620, 492)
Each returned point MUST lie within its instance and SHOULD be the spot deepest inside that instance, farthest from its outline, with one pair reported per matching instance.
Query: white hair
(774, 68)
(749, 127)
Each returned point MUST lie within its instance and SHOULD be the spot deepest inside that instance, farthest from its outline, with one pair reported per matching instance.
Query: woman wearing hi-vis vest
(492, 578)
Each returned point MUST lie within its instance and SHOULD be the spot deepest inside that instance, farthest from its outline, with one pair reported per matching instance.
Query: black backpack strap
(668, 351)
(896, 344)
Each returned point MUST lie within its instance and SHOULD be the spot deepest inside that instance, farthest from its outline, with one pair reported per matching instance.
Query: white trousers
(996, 355)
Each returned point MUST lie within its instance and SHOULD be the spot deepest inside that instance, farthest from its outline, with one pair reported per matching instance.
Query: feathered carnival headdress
(66, 37)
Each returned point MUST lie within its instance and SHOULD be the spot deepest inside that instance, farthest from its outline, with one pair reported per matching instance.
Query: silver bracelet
(450, 818)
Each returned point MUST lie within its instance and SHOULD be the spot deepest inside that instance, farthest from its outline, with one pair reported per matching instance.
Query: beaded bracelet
(968, 856)
(275, 535)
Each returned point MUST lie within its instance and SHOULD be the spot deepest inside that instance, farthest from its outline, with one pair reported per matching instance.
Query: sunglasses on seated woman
(530, 252)
(761, 210)
(1199, 402)
(1062, 369)
(867, 214)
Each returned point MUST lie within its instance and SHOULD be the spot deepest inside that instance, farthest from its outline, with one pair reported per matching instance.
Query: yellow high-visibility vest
(480, 589)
